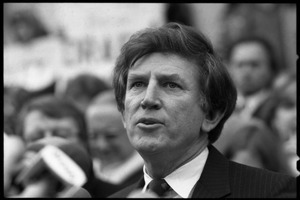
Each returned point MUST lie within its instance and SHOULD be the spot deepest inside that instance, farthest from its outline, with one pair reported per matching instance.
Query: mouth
(149, 121)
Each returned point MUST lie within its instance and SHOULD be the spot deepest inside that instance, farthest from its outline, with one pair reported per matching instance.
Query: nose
(246, 69)
(102, 144)
(48, 133)
(151, 99)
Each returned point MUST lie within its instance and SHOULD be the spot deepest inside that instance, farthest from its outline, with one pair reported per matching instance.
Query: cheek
(262, 74)
(93, 144)
(128, 105)
(280, 123)
(187, 117)
(283, 117)
(236, 75)
(131, 106)
(280, 115)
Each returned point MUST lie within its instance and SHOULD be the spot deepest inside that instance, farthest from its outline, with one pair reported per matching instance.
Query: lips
(149, 121)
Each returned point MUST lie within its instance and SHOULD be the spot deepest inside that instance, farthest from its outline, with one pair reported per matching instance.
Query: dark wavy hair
(88, 85)
(217, 88)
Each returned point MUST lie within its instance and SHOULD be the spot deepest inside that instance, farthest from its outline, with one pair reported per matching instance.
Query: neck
(162, 164)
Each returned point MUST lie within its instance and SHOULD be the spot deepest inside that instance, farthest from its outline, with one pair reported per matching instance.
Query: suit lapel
(214, 180)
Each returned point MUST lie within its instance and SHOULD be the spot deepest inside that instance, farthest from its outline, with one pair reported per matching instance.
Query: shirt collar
(183, 179)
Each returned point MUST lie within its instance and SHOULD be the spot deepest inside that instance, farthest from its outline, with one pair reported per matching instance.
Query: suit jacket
(222, 178)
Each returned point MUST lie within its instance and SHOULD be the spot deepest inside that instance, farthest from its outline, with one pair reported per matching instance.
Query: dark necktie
(159, 186)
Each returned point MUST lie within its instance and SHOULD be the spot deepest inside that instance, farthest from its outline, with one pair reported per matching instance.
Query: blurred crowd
(261, 132)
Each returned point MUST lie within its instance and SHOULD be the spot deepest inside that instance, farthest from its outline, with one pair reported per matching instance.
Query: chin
(147, 143)
(150, 148)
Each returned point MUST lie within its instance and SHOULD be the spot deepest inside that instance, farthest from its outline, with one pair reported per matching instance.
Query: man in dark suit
(175, 95)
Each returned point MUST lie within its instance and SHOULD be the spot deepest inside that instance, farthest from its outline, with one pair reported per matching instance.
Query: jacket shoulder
(260, 182)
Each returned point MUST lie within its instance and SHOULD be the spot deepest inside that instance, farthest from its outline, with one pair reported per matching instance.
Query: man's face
(107, 136)
(172, 120)
(250, 67)
(285, 116)
(38, 125)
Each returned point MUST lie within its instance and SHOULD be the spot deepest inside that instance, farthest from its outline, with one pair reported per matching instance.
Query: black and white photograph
(150, 100)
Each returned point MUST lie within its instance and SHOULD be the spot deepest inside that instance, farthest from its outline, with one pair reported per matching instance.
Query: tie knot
(159, 186)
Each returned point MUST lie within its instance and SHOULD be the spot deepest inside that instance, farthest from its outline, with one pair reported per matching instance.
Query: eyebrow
(138, 76)
(172, 77)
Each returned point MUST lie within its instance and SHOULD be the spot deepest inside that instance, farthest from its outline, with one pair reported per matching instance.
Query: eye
(254, 64)
(138, 84)
(33, 136)
(62, 133)
(93, 135)
(110, 136)
(172, 85)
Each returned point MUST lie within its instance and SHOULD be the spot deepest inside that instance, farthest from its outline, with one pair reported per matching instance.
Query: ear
(211, 120)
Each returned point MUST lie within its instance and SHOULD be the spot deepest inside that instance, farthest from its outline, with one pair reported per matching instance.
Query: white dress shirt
(183, 180)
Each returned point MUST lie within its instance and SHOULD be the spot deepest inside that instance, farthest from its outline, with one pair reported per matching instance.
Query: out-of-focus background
(58, 62)
(44, 42)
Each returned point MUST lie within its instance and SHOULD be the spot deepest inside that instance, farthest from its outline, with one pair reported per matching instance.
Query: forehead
(36, 117)
(249, 50)
(105, 113)
(164, 64)
(104, 119)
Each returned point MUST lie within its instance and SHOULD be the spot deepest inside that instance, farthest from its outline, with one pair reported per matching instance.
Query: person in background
(279, 112)
(252, 142)
(175, 95)
(28, 173)
(115, 160)
(253, 68)
(255, 72)
(13, 100)
(23, 27)
(82, 88)
(49, 116)
(13, 150)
